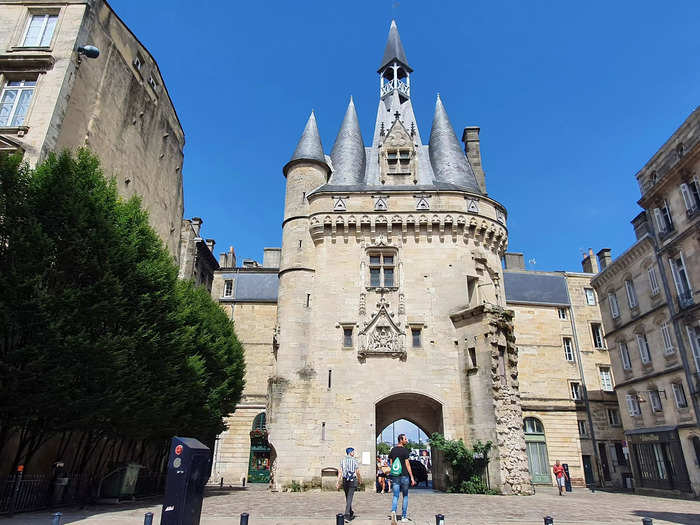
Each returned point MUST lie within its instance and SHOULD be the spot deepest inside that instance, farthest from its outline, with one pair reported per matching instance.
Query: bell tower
(394, 71)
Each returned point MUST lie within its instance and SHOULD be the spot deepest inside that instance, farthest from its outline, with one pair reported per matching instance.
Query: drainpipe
(583, 385)
(677, 330)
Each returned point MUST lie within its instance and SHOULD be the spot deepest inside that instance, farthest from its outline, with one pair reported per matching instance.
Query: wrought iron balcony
(685, 299)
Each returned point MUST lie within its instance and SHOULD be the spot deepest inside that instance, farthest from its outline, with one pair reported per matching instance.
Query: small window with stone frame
(382, 269)
(568, 349)
(598, 337)
(582, 430)
(655, 401)
(562, 313)
(614, 417)
(15, 99)
(39, 29)
(347, 337)
(228, 287)
(416, 337)
(575, 388)
(679, 395)
(590, 296)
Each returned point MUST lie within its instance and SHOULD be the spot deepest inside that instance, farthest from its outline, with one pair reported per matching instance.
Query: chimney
(272, 257)
(590, 263)
(472, 147)
(210, 244)
(227, 259)
(605, 258)
(196, 225)
(514, 261)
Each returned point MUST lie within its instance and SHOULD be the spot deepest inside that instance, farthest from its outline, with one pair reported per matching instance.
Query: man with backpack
(400, 475)
(349, 473)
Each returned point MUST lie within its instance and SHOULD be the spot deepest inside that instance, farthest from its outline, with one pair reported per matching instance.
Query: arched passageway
(419, 409)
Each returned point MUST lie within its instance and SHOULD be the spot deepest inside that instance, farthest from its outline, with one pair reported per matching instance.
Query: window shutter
(694, 338)
(668, 344)
(660, 225)
(687, 197)
(654, 284)
(631, 408)
(676, 277)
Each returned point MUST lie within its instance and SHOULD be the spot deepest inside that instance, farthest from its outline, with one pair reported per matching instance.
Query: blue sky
(572, 99)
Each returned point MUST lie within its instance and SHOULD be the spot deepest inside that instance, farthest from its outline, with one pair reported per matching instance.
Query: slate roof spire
(348, 154)
(446, 156)
(394, 49)
(309, 146)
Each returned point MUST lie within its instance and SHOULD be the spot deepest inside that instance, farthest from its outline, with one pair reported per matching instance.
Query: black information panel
(189, 464)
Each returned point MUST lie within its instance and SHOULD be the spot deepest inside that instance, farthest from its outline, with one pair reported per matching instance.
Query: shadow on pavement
(672, 517)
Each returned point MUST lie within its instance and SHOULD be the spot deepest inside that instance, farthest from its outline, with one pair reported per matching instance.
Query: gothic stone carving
(381, 335)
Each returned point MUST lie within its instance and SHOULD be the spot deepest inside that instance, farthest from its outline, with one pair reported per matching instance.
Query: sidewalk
(317, 508)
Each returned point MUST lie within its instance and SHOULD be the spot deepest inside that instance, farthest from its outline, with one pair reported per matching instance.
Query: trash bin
(120, 483)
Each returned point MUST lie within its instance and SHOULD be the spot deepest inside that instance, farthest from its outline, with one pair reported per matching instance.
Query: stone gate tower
(391, 301)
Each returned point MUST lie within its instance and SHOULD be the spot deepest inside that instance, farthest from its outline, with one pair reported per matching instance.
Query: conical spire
(348, 154)
(309, 146)
(446, 156)
(394, 49)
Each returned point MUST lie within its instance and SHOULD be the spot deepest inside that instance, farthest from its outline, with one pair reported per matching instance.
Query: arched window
(533, 425)
(259, 421)
(536, 450)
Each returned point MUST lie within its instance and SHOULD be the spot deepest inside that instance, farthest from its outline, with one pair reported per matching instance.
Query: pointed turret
(348, 154)
(309, 146)
(393, 52)
(446, 156)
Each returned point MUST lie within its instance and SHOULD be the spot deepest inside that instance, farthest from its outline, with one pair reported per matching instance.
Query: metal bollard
(439, 519)
(548, 520)
(56, 519)
(221, 483)
(647, 521)
(339, 519)
(244, 518)
(148, 518)
(243, 482)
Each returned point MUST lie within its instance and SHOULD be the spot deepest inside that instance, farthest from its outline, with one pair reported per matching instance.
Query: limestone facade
(649, 301)
(116, 104)
(566, 377)
(197, 261)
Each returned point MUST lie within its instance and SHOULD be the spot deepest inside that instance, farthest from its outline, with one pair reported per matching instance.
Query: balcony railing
(685, 299)
(397, 84)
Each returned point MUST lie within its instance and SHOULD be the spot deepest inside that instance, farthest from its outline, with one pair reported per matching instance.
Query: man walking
(400, 475)
(349, 474)
(560, 475)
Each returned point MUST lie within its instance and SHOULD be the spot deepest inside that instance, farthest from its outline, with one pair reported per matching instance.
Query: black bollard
(548, 520)
(243, 482)
(339, 519)
(647, 521)
(148, 518)
(439, 519)
(221, 484)
(244, 518)
(56, 519)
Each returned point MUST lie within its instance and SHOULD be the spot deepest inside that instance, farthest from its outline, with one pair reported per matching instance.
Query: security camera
(89, 51)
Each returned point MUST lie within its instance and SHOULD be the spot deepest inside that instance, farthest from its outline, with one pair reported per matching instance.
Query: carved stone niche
(382, 336)
(398, 157)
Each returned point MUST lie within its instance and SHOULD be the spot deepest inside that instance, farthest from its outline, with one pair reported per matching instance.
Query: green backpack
(396, 468)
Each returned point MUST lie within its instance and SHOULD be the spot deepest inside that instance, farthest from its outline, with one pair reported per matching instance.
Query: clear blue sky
(572, 99)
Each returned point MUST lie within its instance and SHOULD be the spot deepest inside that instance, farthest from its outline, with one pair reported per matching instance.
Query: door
(538, 462)
(604, 461)
(588, 470)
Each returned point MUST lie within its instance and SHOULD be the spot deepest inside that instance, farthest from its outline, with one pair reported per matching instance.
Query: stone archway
(423, 411)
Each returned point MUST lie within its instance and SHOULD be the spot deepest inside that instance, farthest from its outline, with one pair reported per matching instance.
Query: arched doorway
(260, 462)
(423, 411)
(536, 445)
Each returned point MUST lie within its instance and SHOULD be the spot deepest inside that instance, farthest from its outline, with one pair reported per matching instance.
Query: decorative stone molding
(453, 226)
(382, 336)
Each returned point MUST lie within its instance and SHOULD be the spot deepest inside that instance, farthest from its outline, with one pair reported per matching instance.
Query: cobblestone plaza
(317, 508)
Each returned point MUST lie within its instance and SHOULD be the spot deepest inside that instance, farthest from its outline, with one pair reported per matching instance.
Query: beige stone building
(54, 97)
(566, 383)
(649, 301)
(197, 261)
(390, 302)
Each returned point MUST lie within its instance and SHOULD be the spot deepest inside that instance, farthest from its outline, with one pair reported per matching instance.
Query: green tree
(383, 448)
(97, 336)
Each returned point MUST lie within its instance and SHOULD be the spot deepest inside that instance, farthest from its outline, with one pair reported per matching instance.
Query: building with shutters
(649, 300)
(52, 98)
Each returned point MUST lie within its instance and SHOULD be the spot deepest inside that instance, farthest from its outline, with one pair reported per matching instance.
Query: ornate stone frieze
(381, 335)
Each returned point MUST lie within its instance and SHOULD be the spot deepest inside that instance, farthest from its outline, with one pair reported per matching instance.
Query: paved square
(316, 508)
